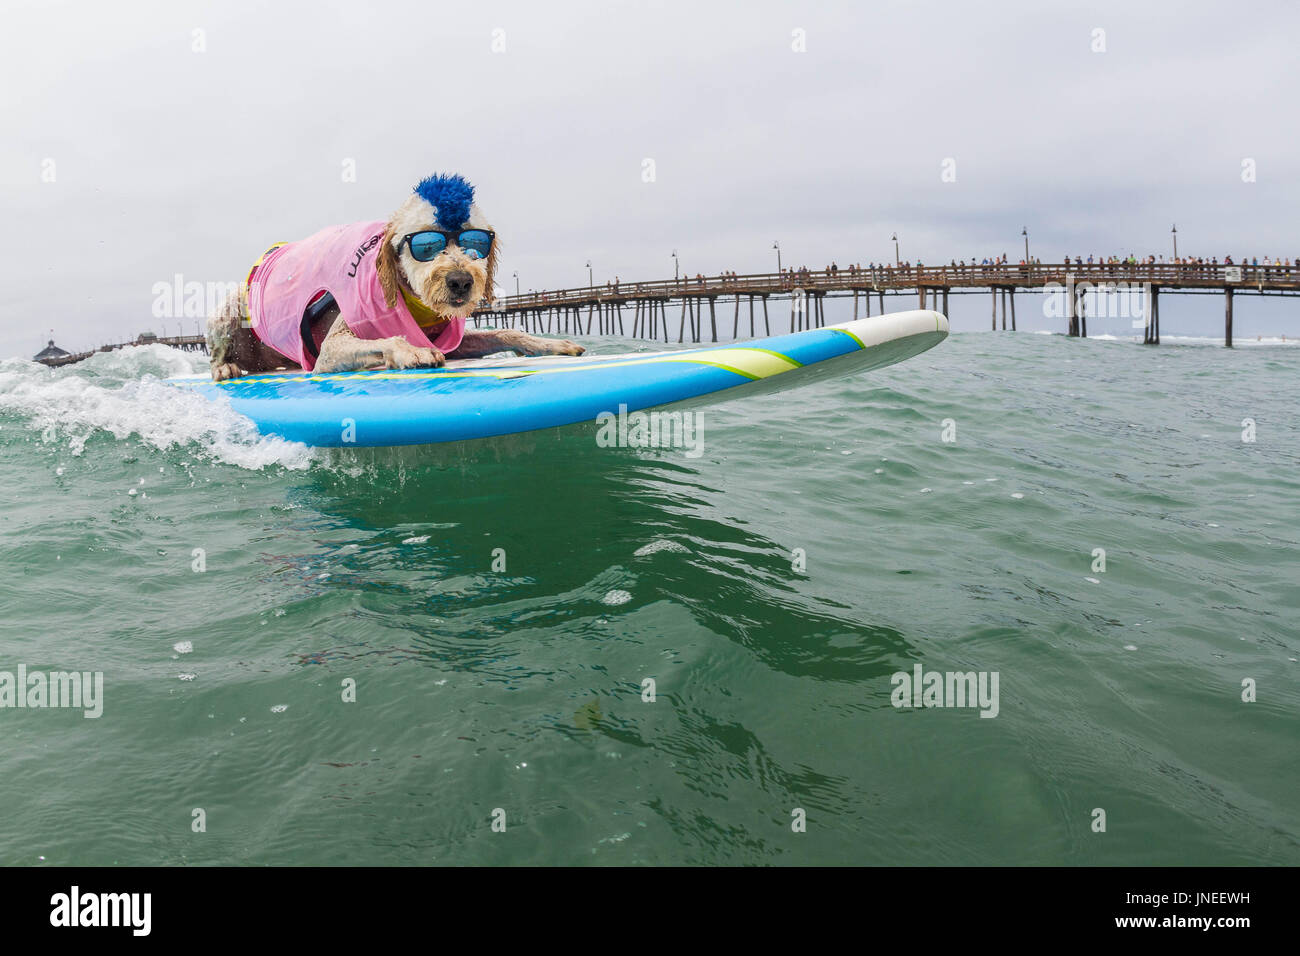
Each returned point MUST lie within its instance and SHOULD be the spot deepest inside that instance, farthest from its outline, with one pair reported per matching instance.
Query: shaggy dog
(372, 295)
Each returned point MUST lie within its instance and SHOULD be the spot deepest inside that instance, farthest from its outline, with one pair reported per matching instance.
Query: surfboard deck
(481, 398)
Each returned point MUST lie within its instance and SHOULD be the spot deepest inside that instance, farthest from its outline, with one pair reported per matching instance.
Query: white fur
(417, 215)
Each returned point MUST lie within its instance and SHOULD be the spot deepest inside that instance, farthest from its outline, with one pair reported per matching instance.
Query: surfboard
(503, 395)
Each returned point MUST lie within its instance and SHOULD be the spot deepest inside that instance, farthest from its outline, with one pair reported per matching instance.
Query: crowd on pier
(792, 277)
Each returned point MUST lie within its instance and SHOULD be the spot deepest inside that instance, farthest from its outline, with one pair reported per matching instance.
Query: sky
(147, 141)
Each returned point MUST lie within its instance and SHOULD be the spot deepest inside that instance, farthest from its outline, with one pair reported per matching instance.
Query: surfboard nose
(893, 325)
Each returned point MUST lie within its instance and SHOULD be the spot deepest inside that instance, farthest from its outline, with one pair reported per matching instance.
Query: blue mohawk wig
(450, 196)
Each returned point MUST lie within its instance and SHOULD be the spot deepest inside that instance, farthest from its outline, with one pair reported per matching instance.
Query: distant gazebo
(49, 353)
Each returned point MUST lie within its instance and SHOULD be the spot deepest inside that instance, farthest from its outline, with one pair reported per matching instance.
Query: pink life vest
(340, 260)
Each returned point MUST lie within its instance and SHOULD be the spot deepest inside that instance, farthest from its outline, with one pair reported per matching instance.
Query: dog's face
(454, 281)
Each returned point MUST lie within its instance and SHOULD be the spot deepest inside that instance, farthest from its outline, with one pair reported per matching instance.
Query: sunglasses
(425, 245)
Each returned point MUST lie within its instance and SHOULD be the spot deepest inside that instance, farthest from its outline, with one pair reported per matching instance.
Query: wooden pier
(188, 343)
(602, 310)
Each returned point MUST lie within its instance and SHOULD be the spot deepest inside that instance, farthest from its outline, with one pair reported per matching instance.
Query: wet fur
(235, 349)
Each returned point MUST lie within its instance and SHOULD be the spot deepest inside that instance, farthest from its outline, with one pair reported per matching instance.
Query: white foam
(1216, 340)
(616, 597)
(1237, 340)
(658, 544)
(121, 394)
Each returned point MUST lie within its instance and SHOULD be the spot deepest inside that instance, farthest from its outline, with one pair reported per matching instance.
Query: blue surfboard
(481, 398)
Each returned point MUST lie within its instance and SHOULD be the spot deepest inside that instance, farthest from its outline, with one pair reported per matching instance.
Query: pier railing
(911, 277)
(561, 310)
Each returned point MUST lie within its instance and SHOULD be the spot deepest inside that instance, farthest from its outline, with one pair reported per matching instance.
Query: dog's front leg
(484, 342)
(222, 329)
(233, 347)
(342, 351)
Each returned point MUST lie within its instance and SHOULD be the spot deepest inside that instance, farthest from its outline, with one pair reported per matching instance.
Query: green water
(479, 689)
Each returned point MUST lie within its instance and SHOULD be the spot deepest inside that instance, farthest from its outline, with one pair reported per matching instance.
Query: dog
(390, 295)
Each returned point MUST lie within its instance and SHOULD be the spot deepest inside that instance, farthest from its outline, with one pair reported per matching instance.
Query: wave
(121, 394)
(1239, 340)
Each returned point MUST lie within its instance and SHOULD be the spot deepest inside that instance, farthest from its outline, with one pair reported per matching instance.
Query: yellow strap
(752, 363)
(244, 288)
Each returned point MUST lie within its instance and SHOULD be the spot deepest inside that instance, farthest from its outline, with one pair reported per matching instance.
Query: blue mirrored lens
(476, 243)
(426, 245)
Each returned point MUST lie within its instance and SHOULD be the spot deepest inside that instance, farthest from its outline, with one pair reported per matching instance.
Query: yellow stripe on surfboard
(751, 363)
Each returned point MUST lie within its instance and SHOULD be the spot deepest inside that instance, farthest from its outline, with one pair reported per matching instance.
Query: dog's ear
(389, 269)
(490, 291)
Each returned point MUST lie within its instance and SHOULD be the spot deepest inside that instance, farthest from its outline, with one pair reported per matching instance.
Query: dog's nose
(459, 284)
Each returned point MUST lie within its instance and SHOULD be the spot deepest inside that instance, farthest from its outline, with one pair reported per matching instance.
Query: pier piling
(561, 310)
(1227, 317)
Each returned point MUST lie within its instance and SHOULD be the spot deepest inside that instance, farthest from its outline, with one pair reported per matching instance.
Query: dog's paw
(225, 371)
(402, 354)
(568, 348)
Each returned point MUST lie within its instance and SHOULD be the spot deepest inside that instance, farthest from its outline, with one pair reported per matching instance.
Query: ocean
(543, 651)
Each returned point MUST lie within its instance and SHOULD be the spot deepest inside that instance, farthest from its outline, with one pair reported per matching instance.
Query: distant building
(50, 353)
(144, 338)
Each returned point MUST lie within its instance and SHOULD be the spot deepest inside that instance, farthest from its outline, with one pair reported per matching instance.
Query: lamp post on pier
(898, 260)
(777, 246)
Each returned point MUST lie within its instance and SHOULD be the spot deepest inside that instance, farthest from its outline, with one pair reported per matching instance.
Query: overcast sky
(175, 151)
